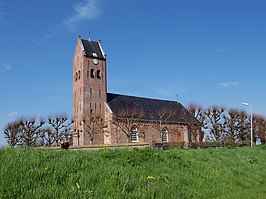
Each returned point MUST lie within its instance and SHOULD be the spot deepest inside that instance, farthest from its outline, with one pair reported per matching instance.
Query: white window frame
(134, 130)
(165, 135)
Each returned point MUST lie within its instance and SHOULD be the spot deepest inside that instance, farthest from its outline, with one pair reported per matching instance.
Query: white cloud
(229, 84)
(170, 90)
(5, 66)
(13, 114)
(83, 11)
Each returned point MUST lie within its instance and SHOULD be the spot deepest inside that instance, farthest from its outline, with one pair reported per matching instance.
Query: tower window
(100, 93)
(92, 73)
(98, 74)
(76, 76)
(79, 75)
(94, 55)
(91, 92)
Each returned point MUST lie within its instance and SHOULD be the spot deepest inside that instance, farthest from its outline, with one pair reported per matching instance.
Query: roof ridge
(149, 98)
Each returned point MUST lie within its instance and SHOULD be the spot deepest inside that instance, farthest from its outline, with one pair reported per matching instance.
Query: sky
(210, 52)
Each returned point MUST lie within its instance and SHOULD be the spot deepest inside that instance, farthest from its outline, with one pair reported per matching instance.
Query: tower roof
(93, 49)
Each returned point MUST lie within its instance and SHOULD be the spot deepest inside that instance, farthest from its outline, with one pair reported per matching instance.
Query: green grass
(132, 173)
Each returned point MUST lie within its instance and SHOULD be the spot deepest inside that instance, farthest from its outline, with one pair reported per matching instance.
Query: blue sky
(212, 52)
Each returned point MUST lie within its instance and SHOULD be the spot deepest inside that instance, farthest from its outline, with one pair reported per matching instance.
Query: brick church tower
(89, 89)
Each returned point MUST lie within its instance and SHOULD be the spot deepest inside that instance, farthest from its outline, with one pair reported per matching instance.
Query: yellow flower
(46, 168)
(150, 178)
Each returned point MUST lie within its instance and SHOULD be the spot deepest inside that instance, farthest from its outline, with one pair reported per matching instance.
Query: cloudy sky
(212, 52)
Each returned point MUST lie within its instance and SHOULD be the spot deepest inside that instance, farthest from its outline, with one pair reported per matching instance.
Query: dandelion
(46, 168)
(150, 178)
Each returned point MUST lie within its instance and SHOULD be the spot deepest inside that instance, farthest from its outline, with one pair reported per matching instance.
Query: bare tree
(60, 127)
(93, 125)
(259, 127)
(232, 123)
(126, 119)
(47, 136)
(30, 130)
(163, 117)
(214, 116)
(12, 132)
(198, 124)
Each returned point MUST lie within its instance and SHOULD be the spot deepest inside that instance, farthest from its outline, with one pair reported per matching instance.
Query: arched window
(79, 74)
(98, 74)
(76, 76)
(92, 73)
(165, 135)
(134, 134)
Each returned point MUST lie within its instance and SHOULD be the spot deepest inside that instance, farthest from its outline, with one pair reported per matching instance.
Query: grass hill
(133, 173)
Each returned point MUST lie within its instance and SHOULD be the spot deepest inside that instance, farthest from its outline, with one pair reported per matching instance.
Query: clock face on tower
(95, 61)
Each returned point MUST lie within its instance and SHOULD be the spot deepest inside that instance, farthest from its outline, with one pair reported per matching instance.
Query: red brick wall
(89, 94)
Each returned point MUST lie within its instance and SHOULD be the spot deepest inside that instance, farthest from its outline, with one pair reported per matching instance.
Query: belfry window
(134, 134)
(79, 75)
(165, 135)
(92, 73)
(98, 74)
(76, 76)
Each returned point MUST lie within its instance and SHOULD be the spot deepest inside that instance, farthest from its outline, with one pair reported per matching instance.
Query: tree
(244, 128)
(12, 132)
(47, 136)
(215, 124)
(93, 125)
(259, 127)
(163, 118)
(126, 119)
(60, 127)
(232, 122)
(30, 130)
(198, 124)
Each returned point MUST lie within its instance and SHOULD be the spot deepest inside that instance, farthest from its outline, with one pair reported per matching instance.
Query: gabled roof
(92, 47)
(149, 109)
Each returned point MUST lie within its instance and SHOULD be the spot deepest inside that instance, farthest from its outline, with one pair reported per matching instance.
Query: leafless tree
(93, 125)
(12, 132)
(30, 130)
(214, 117)
(259, 127)
(198, 124)
(127, 118)
(60, 126)
(47, 136)
(232, 124)
(162, 118)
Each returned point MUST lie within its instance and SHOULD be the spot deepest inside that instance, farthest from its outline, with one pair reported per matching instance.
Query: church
(108, 118)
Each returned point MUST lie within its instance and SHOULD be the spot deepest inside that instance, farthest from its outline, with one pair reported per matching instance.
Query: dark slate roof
(92, 47)
(149, 109)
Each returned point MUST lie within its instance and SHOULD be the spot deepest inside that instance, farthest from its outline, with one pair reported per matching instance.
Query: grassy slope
(209, 173)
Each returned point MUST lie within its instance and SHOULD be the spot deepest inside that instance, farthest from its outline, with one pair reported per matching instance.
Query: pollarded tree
(30, 130)
(232, 123)
(198, 125)
(60, 125)
(47, 136)
(215, 123)
(259, 127)
(244, 128)
(12, 132)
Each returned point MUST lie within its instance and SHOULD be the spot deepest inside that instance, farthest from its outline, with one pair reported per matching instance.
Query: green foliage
(133, 173)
